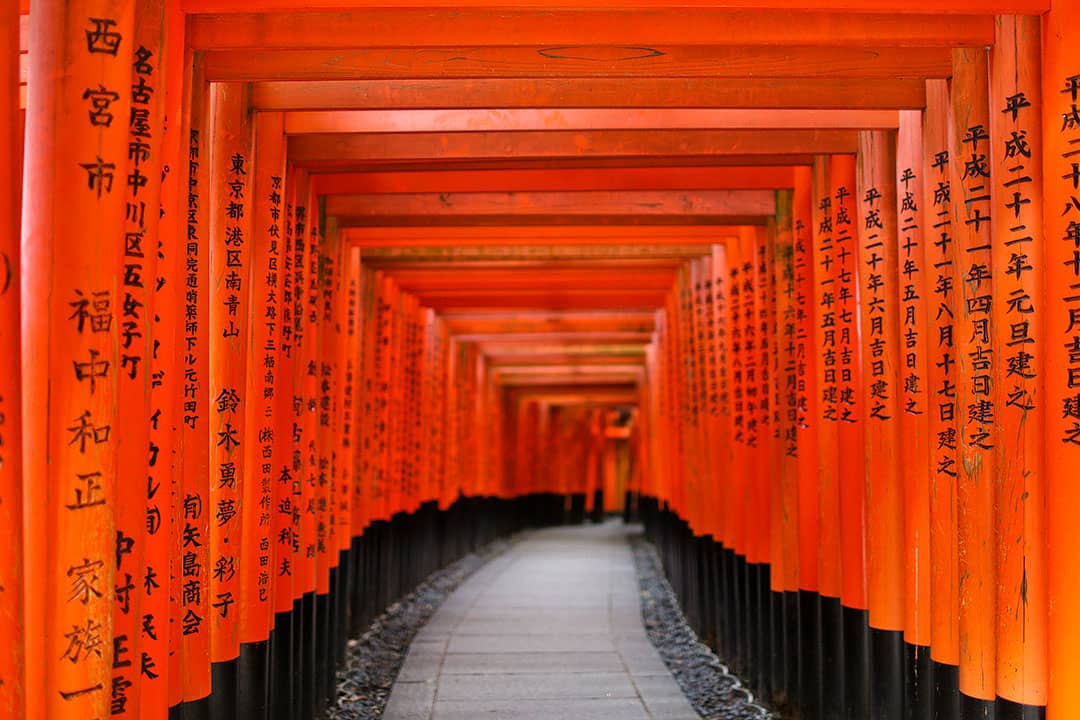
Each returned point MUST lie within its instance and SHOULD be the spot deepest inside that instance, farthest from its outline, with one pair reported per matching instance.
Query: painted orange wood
(641, 178)
(878, 278)
(979, 356)
(263, 456)
(593, 145)
(915, 406)
(806, 361)
(365, 121)
(570, 31)
(1033, 7)
(629, 206)
(1018, 324)
(74, 203)
(230, 252)
(826, 344)
(1059, 133)
(852, 474)
(537, 61)
(160, 637)
(591, 92)
(785, 536)
(941, 288)
(12, 673)
(137, 269)
(193, 518)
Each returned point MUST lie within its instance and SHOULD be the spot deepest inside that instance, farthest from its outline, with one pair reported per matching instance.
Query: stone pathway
(550, 630)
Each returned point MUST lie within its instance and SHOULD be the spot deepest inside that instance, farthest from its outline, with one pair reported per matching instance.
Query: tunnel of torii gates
(301, 301)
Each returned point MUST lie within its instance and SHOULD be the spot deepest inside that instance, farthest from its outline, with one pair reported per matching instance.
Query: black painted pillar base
(886, 673)
(833, 660)
(946, 680)
(598, 507)
(857, 664)
(281, 674)
(224, 681)
(918, 682)
(253, 692)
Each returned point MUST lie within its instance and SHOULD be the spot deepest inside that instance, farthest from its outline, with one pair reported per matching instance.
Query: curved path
(550, 630)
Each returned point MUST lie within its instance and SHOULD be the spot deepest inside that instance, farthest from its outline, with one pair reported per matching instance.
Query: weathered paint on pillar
(1018, 318)
(1061, 135)
(12, 673)
(73, 229)
(978, 363)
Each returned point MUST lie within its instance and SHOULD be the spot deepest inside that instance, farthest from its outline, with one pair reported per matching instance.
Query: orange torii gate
(302, 287)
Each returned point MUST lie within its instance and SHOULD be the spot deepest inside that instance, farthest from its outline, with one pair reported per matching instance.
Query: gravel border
(373, 660)
(713, 690)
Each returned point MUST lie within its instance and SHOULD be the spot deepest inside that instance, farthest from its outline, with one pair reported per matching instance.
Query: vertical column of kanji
(136, 527)
(880, 340)
(327, 435)
(851, 472)
(283, 473)
(347, 418)
(759, 494)
(307, 372)
(971, 186)
(746, 435)
(913, 418)
(12, 682)
(722, 434)
(1061, 213)
(941, 294)
(261, 462)
(230, 306)
(826, 344)
(160, 633)
(74, 201)
(192, 515)
(1017, 255)
(806, 421)
(786, 503)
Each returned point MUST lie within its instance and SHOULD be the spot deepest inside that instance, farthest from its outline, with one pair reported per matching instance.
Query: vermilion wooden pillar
(852, 474)
(941, 288)
(1061, 131)
(971, 184)
(137, 270)
(193, 513)
(74, 208)
(262, 461)
(881, 358)
(1018, 324)
(12, 677)
(807, 426)
(229, 246)
(914, 409)
(159, 637)
(826, 457)
(284, 473)
(785, 539)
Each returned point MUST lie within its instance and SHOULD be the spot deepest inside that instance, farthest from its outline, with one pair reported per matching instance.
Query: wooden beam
(495, 322)
(621, 144)
(511, 119)
(539, 62)
(590, 28)
(589, 337)
(592, 92)
(558, 163)
(597, 206)
(1018, 7)
(556, 278)
(639, 178)
(523, 362)
(545, 299)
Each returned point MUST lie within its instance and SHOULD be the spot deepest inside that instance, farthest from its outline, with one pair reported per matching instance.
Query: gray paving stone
(551, 630)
